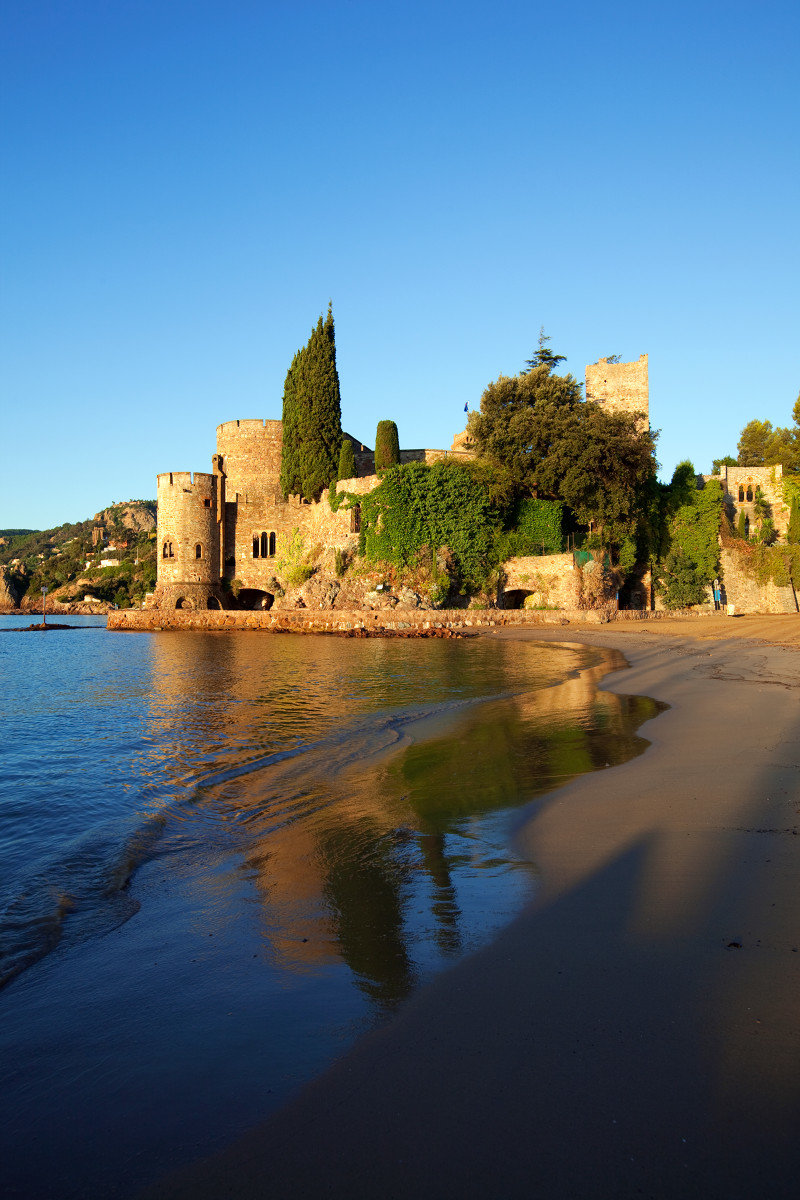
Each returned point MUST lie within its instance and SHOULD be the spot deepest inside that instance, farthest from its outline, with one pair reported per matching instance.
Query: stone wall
(739, 485)
(749, 596)
(549, 580)
(406, 622)
(621, 387)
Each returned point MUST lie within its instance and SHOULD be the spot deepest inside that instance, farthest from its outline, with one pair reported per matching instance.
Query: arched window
(198, 551)
(355, 518)
(749, 494)
(265, 545)
(171, 551)
(272, 541)
(741, 494)
(165, 550)
(256, 544)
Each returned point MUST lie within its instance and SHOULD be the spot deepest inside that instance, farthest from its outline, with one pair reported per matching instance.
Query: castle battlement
(187, 481)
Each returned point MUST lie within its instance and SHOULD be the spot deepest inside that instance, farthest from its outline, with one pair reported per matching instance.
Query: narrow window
(272, 540)
(198, 551)
(255, 545)
(355, 519)
(171, 551)
(207, 502)
(749, 494)
(741, 494)
(165, 550)
(265, 545)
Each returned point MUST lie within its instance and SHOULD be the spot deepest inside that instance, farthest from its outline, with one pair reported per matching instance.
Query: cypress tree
(312, 415)
(347, 460)
(793, 532)
(387, 446)
(741, 524)
(290, 451)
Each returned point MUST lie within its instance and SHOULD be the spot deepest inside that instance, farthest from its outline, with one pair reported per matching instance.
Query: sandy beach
(635, 1031)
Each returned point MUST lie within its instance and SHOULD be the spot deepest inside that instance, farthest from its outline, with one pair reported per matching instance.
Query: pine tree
(543, 356)
(312, 415)
(793, 532)
(347, 460)
(741, 524)
(387, 446)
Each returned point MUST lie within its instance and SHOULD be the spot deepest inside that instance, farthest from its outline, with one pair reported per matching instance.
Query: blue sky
(185, 185)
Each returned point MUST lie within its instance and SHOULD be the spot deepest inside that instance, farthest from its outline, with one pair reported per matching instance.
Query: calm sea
(223, 857)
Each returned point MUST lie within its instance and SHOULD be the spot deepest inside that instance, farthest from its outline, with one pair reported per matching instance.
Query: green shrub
(387, 446)
(347, 460)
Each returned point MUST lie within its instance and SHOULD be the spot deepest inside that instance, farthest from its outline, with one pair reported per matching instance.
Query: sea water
(225, 856)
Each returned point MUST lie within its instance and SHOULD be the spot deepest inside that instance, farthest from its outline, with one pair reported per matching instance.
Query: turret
(188, 540)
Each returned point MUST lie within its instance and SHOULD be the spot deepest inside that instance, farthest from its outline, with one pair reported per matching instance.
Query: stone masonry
(620, 387)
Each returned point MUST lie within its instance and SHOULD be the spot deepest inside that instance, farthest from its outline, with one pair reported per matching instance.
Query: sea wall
(407, 621)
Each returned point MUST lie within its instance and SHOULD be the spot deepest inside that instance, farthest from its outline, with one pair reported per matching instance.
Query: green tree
(543, 356)
(599, 463)
(719, 463)
(387, 446)
(312, 415)
(691, 561)
(741, 524)
(513, 428)
(347, 461)
(793, 532)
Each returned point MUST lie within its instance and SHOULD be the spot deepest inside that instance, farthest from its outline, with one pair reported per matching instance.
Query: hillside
(110, 556)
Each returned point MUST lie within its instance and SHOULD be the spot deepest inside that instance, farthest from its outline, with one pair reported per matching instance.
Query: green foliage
(512, 430)
(291, 559)
(741, 524)
(760, 445)
(719, 463)
(690, 562)
(793, 532)
(312, 416)
(772, 564)
(340, 561)
(347, 461)
(538, 435)
(543, 356)
(440, 505)
(387, 446)
(536, 528)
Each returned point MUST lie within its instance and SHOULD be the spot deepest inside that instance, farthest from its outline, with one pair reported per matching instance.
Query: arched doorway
(182, 602)
(255, 599)
(213, 603)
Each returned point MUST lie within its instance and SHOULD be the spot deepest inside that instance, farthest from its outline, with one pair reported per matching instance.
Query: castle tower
(249, 452)
(620, 387)
(188, 544)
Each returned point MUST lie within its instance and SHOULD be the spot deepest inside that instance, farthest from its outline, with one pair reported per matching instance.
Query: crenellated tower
(189, 539)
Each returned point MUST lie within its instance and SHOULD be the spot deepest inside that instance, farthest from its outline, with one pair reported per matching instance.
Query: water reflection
(363, 793)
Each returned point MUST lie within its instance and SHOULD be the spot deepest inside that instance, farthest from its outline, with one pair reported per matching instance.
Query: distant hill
(67, 559)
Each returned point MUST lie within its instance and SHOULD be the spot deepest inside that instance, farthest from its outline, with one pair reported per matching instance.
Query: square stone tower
(620, 386)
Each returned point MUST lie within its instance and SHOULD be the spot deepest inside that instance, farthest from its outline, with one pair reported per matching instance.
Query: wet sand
(636, 1031)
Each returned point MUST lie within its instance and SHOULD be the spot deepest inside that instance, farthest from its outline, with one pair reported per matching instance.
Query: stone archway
(184, 602)
(255, 599)
(213, 603)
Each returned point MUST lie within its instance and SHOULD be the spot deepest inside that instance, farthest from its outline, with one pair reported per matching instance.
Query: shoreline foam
(634, 1031)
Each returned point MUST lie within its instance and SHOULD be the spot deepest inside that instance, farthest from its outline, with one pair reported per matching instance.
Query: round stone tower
(188, 541)
(251, 459)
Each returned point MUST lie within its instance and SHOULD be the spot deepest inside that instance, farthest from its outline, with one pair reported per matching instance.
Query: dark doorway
(254, 598)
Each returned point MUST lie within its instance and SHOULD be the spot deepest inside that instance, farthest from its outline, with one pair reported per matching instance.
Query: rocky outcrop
(138, 516)
(10, 589)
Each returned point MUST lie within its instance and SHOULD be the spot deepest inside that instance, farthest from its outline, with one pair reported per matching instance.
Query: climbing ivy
(436, 506)
(691, 561)
(535, 528)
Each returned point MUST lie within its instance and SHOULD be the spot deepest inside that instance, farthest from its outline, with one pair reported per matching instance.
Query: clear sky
(186, 183)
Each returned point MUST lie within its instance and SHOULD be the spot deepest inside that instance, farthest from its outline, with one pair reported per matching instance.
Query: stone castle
(225, 525)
